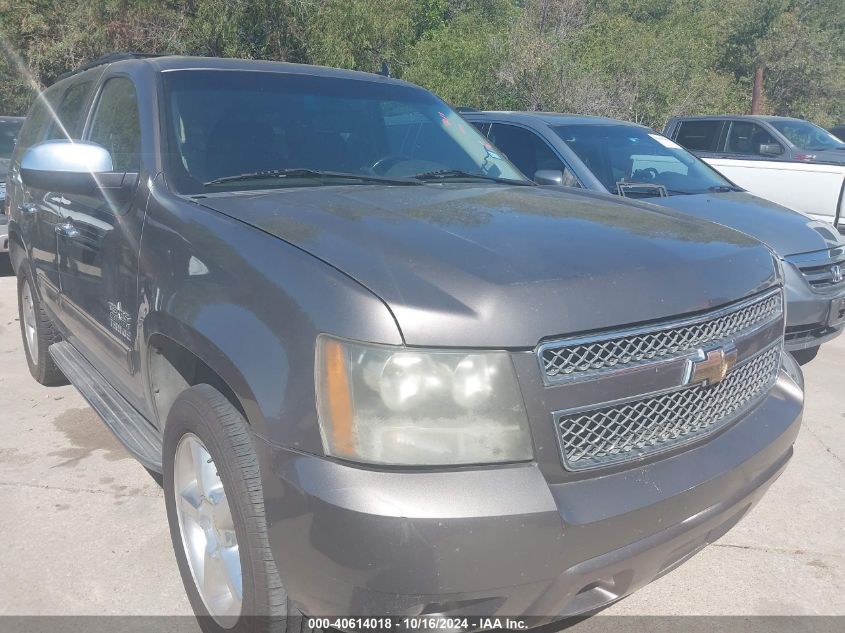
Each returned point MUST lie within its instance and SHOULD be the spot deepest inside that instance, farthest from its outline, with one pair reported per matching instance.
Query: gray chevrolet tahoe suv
(631, 160)
(380, 372)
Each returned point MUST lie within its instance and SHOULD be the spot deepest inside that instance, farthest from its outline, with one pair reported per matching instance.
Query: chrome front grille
(638, 428)
(824, 270)
(581, 358)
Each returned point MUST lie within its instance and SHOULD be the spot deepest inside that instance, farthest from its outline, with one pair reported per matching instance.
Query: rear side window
(701, 136)
(745, 137)
(69, 114)
(116, 124)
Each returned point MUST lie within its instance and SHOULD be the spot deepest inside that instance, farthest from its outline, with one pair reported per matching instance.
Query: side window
(68, 121)
(746, 137)
(482, 127)
(116, 124)
(700, 136)
(37, 120)
(528, 151)
(8, 134)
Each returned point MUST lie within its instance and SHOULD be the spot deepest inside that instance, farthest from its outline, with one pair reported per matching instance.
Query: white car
(788, 161)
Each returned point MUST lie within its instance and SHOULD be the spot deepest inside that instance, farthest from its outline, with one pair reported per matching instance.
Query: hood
(787, 232)
(503, 267)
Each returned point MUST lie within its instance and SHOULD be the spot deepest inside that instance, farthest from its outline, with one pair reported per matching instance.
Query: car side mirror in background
(771, 149)
(75, 167)
(548, 177)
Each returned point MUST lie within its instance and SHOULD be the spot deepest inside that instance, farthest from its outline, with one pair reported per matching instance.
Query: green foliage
(461, 60)
(643, 60)
(360, 34)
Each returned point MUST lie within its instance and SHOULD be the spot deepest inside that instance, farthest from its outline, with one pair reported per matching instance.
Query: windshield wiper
(309, 173)
(443, 174)
(723, 188)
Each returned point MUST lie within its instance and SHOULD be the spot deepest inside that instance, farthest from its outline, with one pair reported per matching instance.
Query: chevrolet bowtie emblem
(714, 366)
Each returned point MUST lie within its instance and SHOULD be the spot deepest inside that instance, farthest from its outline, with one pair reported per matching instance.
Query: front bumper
(809, 318)
(505, 541)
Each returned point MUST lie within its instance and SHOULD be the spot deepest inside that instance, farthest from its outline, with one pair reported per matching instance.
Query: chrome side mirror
(548, 177)
(65, 166)
(771, 149)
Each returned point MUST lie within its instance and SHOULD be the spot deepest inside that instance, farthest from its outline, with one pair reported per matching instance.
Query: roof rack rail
(466, 109)
(107, 59)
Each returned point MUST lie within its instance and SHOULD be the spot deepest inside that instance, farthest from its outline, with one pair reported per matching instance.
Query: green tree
(643, 60)
(461, 60)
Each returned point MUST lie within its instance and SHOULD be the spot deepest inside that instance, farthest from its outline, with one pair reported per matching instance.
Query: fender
(250, 306)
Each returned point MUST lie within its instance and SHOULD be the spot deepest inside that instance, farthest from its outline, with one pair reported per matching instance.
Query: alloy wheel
(208, 531)
(29, 322)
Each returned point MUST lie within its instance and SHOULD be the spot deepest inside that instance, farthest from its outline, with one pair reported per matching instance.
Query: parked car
(9, 128)
(838, 131)
(788, 161)
(381, 372)
(756, 136)
(633, 161)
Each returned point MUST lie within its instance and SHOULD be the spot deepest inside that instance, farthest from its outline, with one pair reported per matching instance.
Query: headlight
(400, 406)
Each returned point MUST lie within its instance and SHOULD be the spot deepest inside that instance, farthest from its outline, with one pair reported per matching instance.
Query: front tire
(38, 332)
(215, 506)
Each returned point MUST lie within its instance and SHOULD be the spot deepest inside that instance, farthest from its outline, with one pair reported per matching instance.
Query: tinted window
(702, 136)
(37, 119)
(116, 125)
(484, 128)
(805, 135)
(70, 113)
(228, 123)
(624, 155)
(745, 137)
(9, 131)
(528, 151)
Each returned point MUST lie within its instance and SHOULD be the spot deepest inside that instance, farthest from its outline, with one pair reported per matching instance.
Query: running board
(133, 430)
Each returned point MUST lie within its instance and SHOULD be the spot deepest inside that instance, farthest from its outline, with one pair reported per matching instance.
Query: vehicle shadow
(6, 266)
(157, 477)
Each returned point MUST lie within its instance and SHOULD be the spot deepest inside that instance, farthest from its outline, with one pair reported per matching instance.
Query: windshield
(230, 123)
(9, 130)
(622, 155)
(804, 135)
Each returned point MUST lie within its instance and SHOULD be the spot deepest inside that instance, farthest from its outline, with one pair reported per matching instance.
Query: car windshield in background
(804, 135)
(302, 130)
(636, 162)
(9, 131)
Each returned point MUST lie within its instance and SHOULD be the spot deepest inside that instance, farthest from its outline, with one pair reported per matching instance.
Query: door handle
(67, 230)
(27, 207)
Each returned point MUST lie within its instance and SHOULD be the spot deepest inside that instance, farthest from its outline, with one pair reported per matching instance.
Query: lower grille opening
(801, 332)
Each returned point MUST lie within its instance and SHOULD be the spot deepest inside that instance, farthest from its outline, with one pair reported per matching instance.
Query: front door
(56, 115)
(98, 243)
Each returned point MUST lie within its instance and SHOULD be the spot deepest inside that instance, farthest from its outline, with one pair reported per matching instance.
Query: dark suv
(10, 126)
(380, 371)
